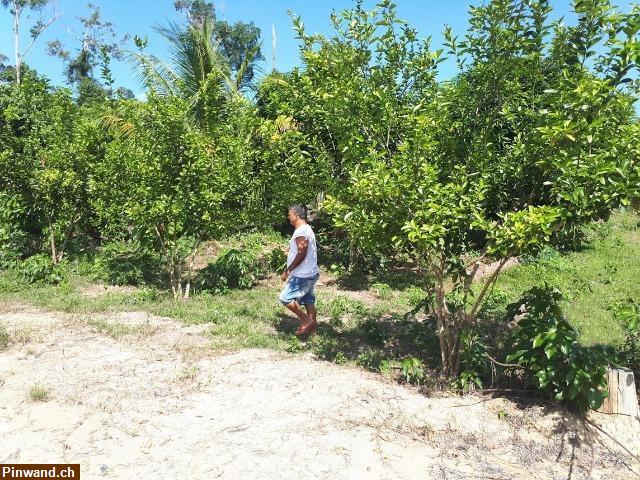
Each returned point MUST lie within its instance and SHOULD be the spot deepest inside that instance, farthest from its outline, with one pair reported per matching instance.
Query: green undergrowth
(366, 320)
(596, 282)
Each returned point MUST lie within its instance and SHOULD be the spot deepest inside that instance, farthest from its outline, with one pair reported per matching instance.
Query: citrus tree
(174, 184)
(531, 140)
(354, 91)
(41, 163)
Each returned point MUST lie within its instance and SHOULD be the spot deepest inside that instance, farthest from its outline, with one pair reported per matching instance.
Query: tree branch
(42, 29)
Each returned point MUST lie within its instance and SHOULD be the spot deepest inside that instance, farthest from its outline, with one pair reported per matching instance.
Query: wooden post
(622, 397)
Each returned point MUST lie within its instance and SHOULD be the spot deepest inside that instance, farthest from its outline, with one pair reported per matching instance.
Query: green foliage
(12, 234)
(547, 346)
(42, 162)
(329, 348)
(341, 306)
(412, 370)
(628, 313)
(39, 268)
(373, 332)
(474, 363)
(277, 260)
(594, 280)
(175, 185)
(233, 269)
(519, 151)
(370, 359)
(382, 290)
(126, 263)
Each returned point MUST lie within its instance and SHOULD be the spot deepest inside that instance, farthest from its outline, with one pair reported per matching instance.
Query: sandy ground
(154, 401)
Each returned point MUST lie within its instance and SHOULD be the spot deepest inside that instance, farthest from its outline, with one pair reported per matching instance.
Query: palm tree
(199, 72)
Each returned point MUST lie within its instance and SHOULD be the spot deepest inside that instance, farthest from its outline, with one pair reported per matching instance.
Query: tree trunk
(192, 260)
(16, 38)
(444, 347)
(353, 255)
(52, 239)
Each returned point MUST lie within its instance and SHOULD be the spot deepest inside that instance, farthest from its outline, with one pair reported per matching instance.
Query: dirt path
(157, 402)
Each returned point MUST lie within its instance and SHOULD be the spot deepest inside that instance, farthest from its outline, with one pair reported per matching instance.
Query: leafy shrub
(413, 370)
(233, 269)
(276, 260)
(370, 359)
(473, 360)
(629, 314)
(126, 263)
(546, 344)
(39, 268)
(12, 237)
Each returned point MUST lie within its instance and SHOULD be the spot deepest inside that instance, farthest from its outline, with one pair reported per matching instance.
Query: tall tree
(531, 141)
(98, 45)
(238, 43)
(196, 11)
(17, 8)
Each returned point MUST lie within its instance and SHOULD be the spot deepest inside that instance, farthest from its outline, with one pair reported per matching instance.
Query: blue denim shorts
(299, 289)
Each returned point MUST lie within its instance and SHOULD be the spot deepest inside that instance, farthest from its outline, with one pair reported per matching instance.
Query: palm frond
(117, 125)
(153, 74)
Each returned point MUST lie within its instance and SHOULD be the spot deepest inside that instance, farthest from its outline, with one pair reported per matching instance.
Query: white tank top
(309, 266)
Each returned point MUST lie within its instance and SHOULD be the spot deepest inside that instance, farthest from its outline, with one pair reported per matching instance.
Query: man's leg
(311, 312)
(295, 308)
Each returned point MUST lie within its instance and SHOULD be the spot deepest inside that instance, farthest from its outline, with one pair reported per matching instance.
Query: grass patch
(4, 337)
(188, 373)
(594, 281)
(119, 329)
(367, 326)
(38, 393)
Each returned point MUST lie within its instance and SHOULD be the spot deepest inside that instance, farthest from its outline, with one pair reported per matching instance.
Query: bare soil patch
(131, 395)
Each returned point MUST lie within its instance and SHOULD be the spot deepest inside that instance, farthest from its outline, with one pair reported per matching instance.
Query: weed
(382, 290)
(38, 393)
(413, 370)
(188, 373)
(370, 359)
(4, 337)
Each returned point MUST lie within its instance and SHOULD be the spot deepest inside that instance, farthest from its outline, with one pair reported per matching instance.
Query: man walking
(302, 271)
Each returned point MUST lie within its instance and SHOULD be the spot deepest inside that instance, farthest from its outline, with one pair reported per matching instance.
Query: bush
(276, 260)
(473, 361)
(413, 370)
(12, 237)
(233, 269)
(370, 359)
(39, 268)
(126, 263)
(629, 314)
(546, 345)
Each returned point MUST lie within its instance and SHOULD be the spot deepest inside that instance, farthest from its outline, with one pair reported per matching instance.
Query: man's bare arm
(303, 244)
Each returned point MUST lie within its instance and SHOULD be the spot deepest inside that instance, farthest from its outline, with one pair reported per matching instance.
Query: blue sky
(139, 16)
